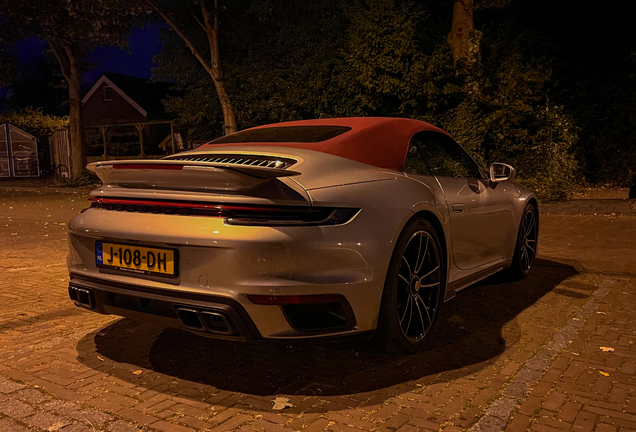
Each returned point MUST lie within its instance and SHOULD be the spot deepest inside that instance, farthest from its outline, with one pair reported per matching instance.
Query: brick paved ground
(611, 207)
(62, 368)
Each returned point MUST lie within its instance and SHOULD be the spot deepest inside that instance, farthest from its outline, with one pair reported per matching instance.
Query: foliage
(39, 84)
(34, 122)
(8, 68)
(87, 22)
(198, 112)
(388, 58)
(85, 179)
(70, 28)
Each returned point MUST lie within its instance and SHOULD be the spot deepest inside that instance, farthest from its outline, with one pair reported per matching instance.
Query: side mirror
(501, 172)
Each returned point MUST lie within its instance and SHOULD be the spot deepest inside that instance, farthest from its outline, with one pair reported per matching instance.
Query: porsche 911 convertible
(319, 229)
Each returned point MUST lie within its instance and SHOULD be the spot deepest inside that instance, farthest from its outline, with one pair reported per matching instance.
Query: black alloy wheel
(527, 242)
(414, 289)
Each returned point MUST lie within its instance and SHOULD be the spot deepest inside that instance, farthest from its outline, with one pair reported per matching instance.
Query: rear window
(297, 134)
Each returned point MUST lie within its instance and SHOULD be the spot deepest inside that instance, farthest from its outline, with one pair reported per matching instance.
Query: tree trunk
(229, 118)
(215, 70)
(78, 152)
(463, 39)
(70, 59)
(210, 26)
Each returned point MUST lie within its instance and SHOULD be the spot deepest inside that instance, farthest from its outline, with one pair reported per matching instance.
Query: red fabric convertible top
(378, 141)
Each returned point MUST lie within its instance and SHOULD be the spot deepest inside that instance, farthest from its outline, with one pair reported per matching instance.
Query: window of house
(108, 93)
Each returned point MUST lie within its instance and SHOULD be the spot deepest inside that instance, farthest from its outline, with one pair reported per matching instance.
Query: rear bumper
(163, 307)
(205, 315)
(221, 266)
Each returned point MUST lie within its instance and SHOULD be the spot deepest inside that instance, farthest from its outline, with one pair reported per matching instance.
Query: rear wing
(186, 174)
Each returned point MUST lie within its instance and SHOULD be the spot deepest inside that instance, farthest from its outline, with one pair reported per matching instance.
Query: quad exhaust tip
(202, 321)
(81, 296)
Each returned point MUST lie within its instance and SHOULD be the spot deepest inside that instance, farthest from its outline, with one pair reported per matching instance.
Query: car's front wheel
(413, 291)
(526, 246)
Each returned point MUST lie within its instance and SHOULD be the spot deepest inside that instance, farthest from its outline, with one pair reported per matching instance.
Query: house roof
(377, 141)
(141, 93)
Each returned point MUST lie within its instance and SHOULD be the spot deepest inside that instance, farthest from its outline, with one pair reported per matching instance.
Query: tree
(281, 61)
(175, 15)
(463, 38)
(70, 28)
(8, 68)
(40, 84)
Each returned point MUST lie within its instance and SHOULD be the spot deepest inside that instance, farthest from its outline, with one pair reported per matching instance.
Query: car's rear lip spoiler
(162, 164)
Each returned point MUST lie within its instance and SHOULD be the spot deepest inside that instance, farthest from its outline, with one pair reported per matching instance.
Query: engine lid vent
(239, 159)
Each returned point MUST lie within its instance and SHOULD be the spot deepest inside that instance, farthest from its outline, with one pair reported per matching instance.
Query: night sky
(143, 46)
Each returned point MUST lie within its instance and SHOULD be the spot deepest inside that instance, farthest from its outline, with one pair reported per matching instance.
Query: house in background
(124, 118)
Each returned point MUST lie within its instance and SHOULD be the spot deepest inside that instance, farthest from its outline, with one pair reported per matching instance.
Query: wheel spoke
(419, 311)
(530, 225)
(408, 302)
(419, 252)
(418, 264)
(404, 279)
(406, 332)
(429, 285)
(429, 273)
(407, 265)
(428, 315)
(530, 247)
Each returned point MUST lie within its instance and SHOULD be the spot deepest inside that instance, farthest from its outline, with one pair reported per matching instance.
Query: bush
(85, 179)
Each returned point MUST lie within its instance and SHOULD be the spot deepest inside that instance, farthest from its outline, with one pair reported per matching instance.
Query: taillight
(245, 215)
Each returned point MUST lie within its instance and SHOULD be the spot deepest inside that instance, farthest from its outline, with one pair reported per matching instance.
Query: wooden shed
(18, 153)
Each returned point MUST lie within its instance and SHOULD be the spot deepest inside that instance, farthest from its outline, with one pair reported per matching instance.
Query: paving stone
(47, 421)
(78, 427)
(16, 409)
(122, 426)
(7, 386)
(10, 425)
(32, 396)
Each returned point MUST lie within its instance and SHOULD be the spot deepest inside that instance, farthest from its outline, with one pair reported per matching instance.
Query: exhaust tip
(217, 323)
(206, 321)
(81, 296)
(190, 318)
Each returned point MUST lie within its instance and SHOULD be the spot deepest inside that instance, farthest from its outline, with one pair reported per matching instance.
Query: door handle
(458, 207)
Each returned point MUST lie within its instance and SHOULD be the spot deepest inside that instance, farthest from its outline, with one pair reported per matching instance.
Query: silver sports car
(317, 229)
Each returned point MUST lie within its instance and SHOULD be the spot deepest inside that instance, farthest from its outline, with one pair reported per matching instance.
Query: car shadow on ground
(472, 331)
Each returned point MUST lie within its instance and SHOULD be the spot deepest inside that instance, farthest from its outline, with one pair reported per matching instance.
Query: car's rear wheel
(526, 246)
(413, 290)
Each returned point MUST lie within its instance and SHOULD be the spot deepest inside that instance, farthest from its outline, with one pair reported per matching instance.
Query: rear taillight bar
(246, 215)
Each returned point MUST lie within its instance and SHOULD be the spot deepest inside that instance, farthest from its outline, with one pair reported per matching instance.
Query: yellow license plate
(136, 259)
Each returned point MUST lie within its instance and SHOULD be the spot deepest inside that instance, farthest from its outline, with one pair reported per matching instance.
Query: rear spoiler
(184, 175)
(153, 164)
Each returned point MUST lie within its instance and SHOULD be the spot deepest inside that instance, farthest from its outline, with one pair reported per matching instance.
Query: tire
(526, 244)
(414, 289)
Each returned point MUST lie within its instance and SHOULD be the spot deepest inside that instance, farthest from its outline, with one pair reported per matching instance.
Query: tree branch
(65, 73)
(182, 35)
(196, 17)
